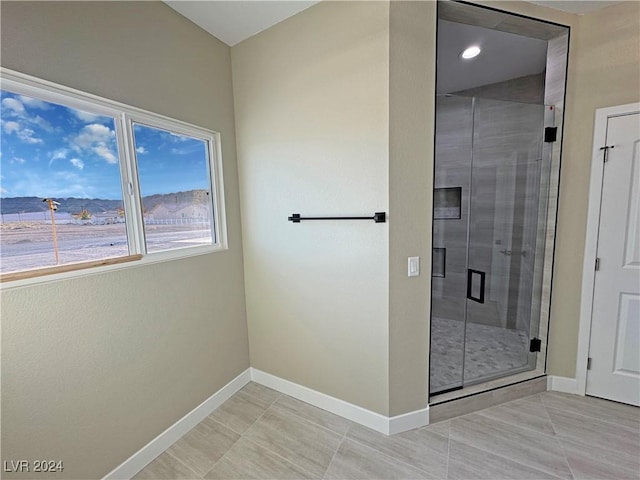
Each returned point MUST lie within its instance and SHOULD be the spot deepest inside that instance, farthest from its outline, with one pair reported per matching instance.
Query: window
(173, 173)
(87, 181)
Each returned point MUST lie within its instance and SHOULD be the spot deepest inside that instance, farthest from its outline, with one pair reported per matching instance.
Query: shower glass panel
(505, 189)
(485, 309)
(454, 136)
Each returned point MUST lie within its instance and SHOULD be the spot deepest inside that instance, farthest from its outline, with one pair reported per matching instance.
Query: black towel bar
(378, 217)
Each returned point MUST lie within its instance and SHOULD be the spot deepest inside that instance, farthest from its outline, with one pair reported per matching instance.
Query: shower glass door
(506, 176)
(490, 203)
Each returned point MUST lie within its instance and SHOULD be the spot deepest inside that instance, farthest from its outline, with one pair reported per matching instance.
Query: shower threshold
(477, 388)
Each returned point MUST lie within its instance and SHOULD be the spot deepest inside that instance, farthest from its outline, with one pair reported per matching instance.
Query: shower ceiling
(504, 56)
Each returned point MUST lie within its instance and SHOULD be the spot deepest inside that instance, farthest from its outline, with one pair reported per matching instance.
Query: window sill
(61, 272)
(71, 267)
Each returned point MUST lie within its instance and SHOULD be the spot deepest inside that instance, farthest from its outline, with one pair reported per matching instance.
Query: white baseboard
(155, 447)
(408, 421)
(373, 420)
(562, 384)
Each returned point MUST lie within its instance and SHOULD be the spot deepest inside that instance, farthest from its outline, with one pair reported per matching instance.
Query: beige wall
(95, 367)
(411, 127)
(605, 72)
(276, 151)
(312, 120)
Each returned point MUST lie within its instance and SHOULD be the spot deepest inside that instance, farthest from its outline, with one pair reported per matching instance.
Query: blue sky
(47, 150)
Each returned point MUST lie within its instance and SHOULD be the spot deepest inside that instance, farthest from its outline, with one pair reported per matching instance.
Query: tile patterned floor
(262, 434)
(488, 351)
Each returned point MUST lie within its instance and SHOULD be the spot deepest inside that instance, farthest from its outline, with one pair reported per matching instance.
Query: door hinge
(535, 345)
(606, 149)
(597, 264)
(589, 363)
(550, 134)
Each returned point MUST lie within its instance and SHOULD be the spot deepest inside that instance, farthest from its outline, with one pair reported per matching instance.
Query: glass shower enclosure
(492, 171)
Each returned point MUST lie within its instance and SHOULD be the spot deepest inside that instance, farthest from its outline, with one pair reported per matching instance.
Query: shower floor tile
(489, 351)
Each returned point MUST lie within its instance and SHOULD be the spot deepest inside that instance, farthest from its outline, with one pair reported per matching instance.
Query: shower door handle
(472, 277)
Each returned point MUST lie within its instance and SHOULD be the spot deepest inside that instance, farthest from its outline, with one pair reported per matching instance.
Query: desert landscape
(27, 245)
(94, 229)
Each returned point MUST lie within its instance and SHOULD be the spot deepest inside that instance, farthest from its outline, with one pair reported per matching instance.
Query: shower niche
(495, 194)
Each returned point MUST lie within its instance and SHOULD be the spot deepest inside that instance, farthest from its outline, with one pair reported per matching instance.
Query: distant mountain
(96, 205)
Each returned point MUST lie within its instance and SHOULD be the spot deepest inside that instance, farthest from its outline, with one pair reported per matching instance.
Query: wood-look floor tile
(441, 428)
(166, 467)
(535, 450)
(299, 441)
(203, 445)
(595, 432)
(595, 463)
(316, 415)
(356, 461)
(419, 448)
(467, 462)
(260, 391)
(613, 412)
(246, 460)
(526, 414)
(240, 411)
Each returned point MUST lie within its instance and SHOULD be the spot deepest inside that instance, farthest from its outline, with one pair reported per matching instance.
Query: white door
(614, 347)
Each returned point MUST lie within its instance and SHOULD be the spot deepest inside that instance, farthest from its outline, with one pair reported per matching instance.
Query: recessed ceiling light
(471, 52)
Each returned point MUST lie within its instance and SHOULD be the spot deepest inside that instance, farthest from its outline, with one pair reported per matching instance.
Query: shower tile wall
(557, 51)
(500, 150)
(506, 187)
(453, 157)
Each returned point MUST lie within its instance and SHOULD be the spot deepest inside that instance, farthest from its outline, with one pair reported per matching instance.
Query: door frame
(591, 238)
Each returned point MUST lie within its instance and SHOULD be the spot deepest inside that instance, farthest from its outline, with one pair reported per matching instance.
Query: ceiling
(575, 6)
(235, 21)
(504, 56)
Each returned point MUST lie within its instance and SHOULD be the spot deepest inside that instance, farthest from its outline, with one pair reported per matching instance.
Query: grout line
(446, 474)
(257, 419)
(278, 394)
(283, 458)
(566, 459)
(299, 416)
(179, 460)
(515, 424)
(591, 417)
(344, 437)
(524, 462)
(267, 448)
(379, 452)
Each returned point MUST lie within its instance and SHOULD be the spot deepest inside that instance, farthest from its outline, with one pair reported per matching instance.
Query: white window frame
(124, 117)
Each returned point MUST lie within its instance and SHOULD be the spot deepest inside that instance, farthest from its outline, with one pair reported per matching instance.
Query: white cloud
(14, 108)
(104, 152)
(76, 162)
(41, 122)
(34, 102)
(27, 136)
(3, 191)
(91, 134)
(17, 160)
(13, 104)
(10, 127)
(24, 134)
(59, 154)
(142, 150)
(85, 116)
(97, 139)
